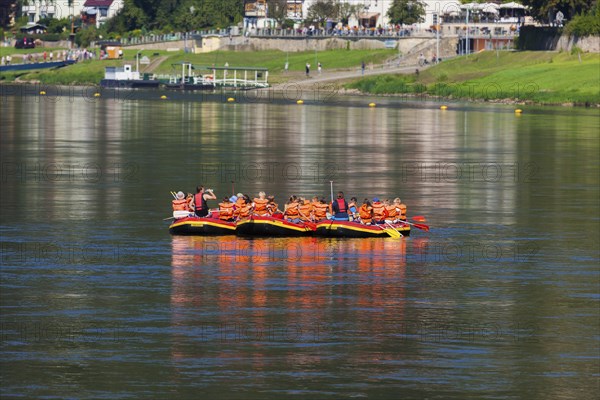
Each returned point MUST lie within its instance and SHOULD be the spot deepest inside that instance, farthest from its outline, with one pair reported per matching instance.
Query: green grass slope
(541, 77)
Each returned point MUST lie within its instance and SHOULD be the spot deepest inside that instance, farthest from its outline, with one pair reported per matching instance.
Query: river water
(499, 300)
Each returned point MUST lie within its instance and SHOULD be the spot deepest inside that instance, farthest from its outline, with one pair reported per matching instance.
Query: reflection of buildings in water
(67, 147)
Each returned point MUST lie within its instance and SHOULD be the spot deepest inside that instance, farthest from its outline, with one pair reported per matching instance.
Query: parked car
(25, 43)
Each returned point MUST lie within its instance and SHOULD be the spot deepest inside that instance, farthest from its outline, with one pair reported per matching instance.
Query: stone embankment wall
(407, 46)
(170, 45)
(552, 39)
(588, 44)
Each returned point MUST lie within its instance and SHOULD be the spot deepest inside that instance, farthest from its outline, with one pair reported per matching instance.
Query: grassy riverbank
(538, 77)
(91, 72)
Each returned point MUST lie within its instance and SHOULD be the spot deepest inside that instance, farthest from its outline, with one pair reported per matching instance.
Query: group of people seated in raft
(296, 210)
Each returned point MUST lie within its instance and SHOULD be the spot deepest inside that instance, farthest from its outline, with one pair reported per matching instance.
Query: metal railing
(304, 33)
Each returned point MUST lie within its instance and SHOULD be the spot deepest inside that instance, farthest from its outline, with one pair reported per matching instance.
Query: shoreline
(518, 78)
(279, 92)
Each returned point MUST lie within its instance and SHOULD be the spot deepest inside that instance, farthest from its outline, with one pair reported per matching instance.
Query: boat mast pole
(331, 184)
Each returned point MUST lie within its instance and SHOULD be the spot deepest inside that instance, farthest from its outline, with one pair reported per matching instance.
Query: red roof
(97, 3)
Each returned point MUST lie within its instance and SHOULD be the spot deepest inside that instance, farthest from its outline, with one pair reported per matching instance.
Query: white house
(35, 10)
(98, 11)
(374, 12)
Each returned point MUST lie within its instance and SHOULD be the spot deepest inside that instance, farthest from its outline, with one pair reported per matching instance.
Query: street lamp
(437, 36)
(467, 35)
(185, 34)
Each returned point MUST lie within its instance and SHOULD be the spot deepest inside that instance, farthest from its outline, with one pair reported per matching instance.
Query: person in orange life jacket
(391, 211)
(260, 204)
(272, 206)
(243, 207)
(305, 210)
(366, 212)
(353, 209)
(226, 210)
(291, 210)
(189, 199)
(240, 201)
(401, 209)
(180, 203)
(199, 204)
(320, 210)
(379, 211)
(339, 208)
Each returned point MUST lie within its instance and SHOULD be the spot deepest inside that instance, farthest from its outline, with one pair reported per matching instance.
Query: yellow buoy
(231, 99)
(163, 97)
(372, 104)
(96, 94)
(518, 111)
(300, 102)
(42, 93)
(443, 107)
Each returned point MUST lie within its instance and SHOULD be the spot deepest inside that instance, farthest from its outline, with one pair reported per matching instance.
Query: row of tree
(199, 14)
(187, 15)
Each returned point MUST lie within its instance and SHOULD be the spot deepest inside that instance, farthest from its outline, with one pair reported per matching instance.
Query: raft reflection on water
(231, 290)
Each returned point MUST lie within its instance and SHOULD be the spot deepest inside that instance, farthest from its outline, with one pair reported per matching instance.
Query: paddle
(396, 233)
(391, 232)
(419, 218)
(331, 206)
(420, 226)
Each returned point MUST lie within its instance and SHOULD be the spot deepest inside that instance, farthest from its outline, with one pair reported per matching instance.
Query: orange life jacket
(180, 205)
(305, 211)
(240, 202)
(320, 211)
(392, 211)
(226, 211)
(190, 201)
(366, 213)
(244, 211)
(291, 210)
(379, 211)
(272, 208)
(260, 206)
(402, 208)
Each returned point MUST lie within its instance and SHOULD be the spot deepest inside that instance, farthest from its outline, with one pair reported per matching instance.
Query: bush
(55, 25)
(46, 37)
(576, 50)
(288, 24)
(584, 25)
(85, 36)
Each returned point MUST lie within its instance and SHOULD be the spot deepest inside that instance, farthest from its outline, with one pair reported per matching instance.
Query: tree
(545, 10)
(347, 10)
(277, 10)
(321, 10)
(167, 15)
(406, 12)
(129, 18)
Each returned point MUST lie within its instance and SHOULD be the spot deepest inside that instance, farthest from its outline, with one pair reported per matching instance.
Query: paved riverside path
(337, 75)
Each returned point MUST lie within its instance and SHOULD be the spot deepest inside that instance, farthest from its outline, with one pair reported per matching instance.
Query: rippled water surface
(499, 300)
